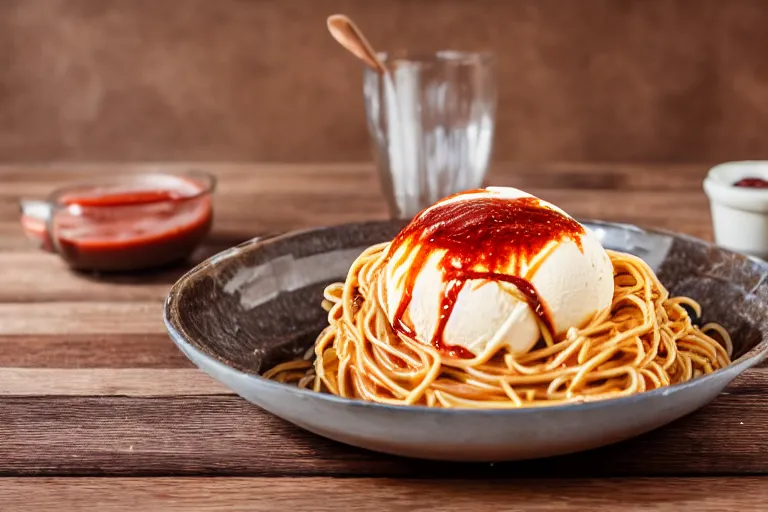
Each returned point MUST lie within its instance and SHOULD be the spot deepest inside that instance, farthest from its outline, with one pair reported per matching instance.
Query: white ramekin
(739, 214)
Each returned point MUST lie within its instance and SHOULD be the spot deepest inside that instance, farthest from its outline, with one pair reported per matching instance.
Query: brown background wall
(586, 80)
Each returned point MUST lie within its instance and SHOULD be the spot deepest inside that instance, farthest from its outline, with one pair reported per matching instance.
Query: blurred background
(262, 80)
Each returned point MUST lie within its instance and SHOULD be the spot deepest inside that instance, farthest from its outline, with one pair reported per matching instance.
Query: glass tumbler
(431, 120)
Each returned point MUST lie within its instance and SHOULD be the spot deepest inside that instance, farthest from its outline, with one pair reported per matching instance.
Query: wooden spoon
(352, 38)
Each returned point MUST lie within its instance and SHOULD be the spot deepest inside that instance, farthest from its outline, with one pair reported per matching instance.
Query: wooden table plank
(82, 318)
(107, 382)
(45, 278)
(225, 435)
(67, 350)
(315, 494)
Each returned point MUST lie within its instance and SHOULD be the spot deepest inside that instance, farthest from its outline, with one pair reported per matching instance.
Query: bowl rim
(720, 185)
(184, 342)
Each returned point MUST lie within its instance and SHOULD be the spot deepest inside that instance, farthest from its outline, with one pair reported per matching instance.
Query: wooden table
(91, 387)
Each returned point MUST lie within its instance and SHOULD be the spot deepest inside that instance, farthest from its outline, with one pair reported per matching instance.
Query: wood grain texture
(320, 494)
(47, 279)
(64, 318)
(68, 350)
(107, 382)
(225, 435)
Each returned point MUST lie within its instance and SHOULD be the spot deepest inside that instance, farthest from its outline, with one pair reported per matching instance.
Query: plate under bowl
(258, 304)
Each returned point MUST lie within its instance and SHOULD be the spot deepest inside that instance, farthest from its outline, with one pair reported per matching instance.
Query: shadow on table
(169, 274)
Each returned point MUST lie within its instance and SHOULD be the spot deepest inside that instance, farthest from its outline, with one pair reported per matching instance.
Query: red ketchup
(751, 183)
(143, 222)
(486, 232)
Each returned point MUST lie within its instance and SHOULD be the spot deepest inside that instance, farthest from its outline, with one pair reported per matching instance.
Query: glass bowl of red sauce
(124, 223)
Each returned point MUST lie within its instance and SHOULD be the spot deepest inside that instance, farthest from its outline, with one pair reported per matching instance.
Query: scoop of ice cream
(486, 269)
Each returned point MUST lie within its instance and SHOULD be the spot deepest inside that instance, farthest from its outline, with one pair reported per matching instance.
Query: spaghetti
(644, 340)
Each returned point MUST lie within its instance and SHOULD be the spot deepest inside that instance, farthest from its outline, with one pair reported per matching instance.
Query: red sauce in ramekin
(751, 183)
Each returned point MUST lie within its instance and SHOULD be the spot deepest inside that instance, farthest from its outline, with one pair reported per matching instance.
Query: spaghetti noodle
(644, 340)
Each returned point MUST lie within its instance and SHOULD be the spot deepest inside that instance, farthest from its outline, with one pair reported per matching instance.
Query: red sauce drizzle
(751, 183)
(480, 237)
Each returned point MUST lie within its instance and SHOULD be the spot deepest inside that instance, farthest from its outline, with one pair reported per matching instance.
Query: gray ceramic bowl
(258, 304)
